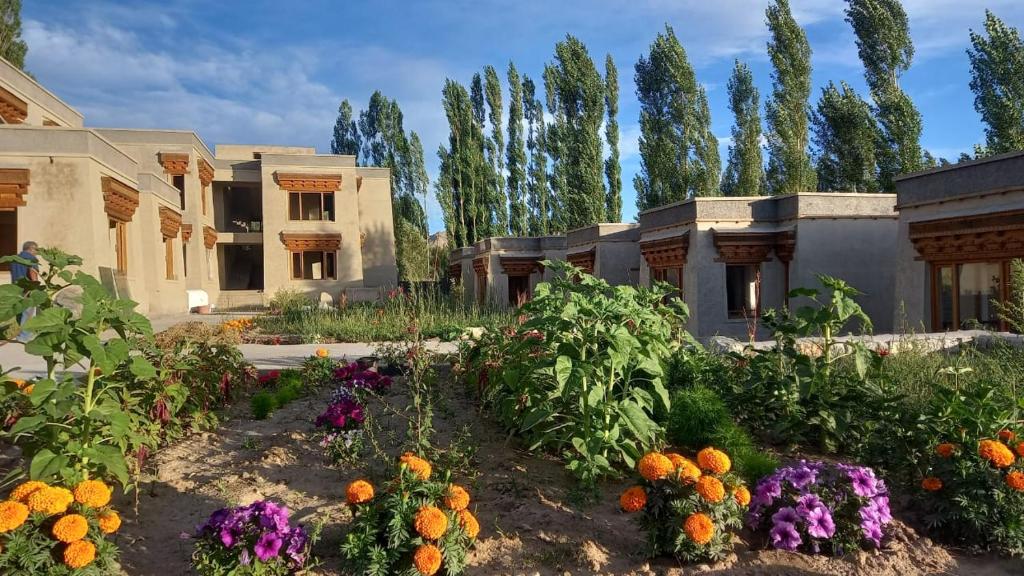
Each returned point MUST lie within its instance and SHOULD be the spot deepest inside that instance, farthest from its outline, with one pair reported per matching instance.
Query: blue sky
(267, 72)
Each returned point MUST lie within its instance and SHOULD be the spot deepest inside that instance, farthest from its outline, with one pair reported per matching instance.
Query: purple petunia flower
(801, 476)
(787, 515)
(268, 546)
(864, 481)
(784, 536)
(820, 524)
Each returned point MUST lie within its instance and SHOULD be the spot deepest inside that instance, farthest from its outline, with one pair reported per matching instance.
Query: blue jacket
(19, 270)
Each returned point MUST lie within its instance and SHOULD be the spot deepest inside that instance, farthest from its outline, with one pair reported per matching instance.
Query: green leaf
(142, 368)
(580, 446)
(49, 320)
(637, 420)
(535, 417)
(27, 424)
(45, 464)
(110, 458)
(563, 368)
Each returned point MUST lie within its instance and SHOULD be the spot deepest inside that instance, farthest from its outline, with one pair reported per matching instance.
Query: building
(608, 251)
(155, 214)
(959, 228)
(504, 270)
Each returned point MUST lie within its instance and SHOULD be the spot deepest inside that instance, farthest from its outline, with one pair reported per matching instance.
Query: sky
(271, 72)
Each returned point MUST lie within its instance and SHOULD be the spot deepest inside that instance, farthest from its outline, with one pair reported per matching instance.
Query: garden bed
(530, 524)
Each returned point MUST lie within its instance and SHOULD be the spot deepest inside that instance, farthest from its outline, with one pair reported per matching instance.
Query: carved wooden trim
(13, 187)
(175, 163)
(666, 252)
(984, 237)
(455, 270)
(170, 222)
(747, 247)
(583, 260)
(294, 182)
(205, 171)
(13, 110)
(359, 184)
(209, 237)
(300, 241)
(785, 245)
(480, 265)
(186, 232)
(119, 199)
(519, 265)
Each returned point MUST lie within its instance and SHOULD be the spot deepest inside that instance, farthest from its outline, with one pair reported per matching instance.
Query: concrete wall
(43, 105)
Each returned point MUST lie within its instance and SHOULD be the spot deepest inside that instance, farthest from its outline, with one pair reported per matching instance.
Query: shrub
(54, 531)
(318, 370)
(285, 388)
(687, 509)
(288, 301)
(257, 539)
(817, 507)
(262, 404)
(973, 493)
(415, 525)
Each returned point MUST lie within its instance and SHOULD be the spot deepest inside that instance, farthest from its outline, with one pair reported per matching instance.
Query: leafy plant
(1012, 310)
(253, 540)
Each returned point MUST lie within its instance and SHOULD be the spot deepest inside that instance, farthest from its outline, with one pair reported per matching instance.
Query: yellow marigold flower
(1015, 480)
(109, 522)
(50, 500)
(359, 492)
(23, 490)
(711, 489)
(655, 466)
(469, 524)
(931, 484)
(430, 522)
(714, 461)
(427, 559)
(322, 353)
(456, 498)
(995, 452)
(633, 499)
(417, 465)
(742, 496)
(70, 528)
(1007, 435)
(945, 449)
(12, 515)
(79, 554)
(92, 493)
(699, 528)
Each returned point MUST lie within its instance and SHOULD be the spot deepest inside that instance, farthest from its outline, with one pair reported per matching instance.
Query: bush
(253, 540)
(288, 301)
(285, 388)
(687, 509)
(415, 525)
(318, 370)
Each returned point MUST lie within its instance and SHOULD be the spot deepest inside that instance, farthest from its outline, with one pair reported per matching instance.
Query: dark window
(8, 235)
(311, 206)
(518, 290)
(673, 276)
(965, 295)
(178, 180)
(184, 258)
(742, 287)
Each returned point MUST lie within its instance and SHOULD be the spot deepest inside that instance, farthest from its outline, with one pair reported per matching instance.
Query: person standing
(31, 272)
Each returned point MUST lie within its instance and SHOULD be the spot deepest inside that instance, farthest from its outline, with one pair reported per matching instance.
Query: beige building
(163, 220)
(504, 270)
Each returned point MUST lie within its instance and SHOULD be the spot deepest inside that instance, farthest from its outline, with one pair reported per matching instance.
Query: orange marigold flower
(427, 559)
(688, 472)
(359, 492)
(945, 449)
(431, 522)
(50, 500)
(711, 489)
(12, 515)
(699, 528)
(1020, 449)
(677, 459)
(469, 524)
(417, 465)
(633, 499)
(1007, 435)
(1015, 480)
(714, 461)
(92, 493)
(995, 452)
(931, 484)
(23, 490)
(322, 353)
(456, 498)
(742, 496)
(655, 466)
(79, 554)
(109, 522)
(70, 528)
(28, 389)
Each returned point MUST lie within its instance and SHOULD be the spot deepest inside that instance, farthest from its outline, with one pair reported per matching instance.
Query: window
(8, 235)
(314, 265)
(178, 180)
(202, 198)
(184, 258)
(964, 295)
(672, 275)
(169, 258)
(209, 264)
(311, 206)
(518, 290)
(119, 238)
(742, 290)
(481, 288)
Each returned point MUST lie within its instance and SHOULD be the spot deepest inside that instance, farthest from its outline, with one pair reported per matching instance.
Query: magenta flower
(268, 546)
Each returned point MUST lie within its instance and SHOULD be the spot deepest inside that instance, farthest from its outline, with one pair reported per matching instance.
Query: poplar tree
(460, 189)
(487, 215)
(997, 80)
(346, 138)
(744, 173)
(553, 145)
(886, 49)
(495, 150)
(789, 165)
(575, 93)
(537, 173)
(612, 169)
(845, 135)
(515, 155)
(708, 166)
(12, 47)
(419, 182)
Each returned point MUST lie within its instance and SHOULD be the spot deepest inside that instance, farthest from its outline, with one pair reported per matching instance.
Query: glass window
(294, 212)
(314, 265)
(311, 206)
(979, 288)
(741, 290)
(944, 277)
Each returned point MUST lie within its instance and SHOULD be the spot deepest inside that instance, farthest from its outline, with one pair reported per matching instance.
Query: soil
(530, 523)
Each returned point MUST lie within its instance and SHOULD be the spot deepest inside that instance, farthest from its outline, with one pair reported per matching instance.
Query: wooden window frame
(329, 258)
(660, 274)
(120, 244)
(934, 273)
(756, 312)
(169, 259)
(323, 202)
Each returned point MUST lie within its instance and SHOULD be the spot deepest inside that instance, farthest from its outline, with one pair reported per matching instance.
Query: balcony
(238, 209)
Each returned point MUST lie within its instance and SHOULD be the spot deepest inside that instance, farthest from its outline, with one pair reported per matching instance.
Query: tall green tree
(789, 164)
(12, 47)
(515, 155)
(997, 79)
(419, 183)
(744, 173)
(612, 168)
(346, 138)
(845, 135)
(537, 191)
(886, 49)
(575, 92)
(383, 138)
(496, 149)
(708, 166)
(555, 148)
(674, 123)
(463, 177)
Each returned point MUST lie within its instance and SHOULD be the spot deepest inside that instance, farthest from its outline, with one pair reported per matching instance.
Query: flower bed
(253, 539)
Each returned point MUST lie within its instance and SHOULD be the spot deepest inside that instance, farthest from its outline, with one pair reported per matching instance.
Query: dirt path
(523, 502)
